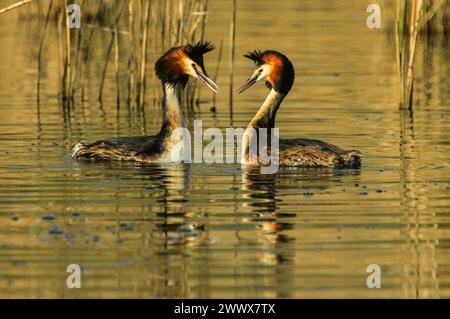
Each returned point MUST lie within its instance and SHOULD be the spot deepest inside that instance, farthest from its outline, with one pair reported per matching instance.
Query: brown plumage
(314, 153)
(173, 69)
(119, 149)
(278, 73)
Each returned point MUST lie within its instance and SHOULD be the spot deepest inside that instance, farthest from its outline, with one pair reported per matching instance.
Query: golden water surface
(220, 230)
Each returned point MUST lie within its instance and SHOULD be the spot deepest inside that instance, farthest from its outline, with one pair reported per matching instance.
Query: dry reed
(68, 59)
(414, 16)
(14, 6)
(151, 27)
(144, 47)
(232, 56)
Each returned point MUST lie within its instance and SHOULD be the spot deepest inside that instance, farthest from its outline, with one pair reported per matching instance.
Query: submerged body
(278, 72)
(173, 69)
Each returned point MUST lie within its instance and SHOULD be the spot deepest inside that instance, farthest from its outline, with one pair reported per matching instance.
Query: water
(205, 231)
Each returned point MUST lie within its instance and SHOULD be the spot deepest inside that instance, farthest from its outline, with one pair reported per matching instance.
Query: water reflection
(166, 187)
(222, 230)
(174, 226)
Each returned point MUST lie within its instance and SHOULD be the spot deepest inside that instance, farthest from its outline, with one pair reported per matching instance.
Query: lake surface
(226, 231)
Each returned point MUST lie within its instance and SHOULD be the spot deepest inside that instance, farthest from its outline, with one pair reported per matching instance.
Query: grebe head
(273, 67)
(177, 64)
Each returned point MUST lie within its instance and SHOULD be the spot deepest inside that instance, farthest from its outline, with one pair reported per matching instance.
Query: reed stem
(232, 57)
(144, 54)
(117, 53)
(41, 46)
(68, 62)
(216, 71)
(131, 59)
(15, 5)
(108, 54)
(415, 9)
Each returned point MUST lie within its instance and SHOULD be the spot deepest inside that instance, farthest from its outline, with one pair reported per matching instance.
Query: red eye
(193, 65)
(260, 70)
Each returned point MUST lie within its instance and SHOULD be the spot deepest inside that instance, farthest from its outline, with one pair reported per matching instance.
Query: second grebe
(173, 69)
(278, 72)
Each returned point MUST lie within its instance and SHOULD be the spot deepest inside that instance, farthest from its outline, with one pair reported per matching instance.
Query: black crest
(286, 73)
(197, 50)
(255, 56)
(168, 68)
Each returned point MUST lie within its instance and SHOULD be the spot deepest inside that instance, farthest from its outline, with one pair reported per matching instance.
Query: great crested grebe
(278, 72)
(173, 69)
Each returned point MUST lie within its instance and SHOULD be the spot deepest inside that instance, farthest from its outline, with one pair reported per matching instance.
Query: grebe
(173, 69)
(278, 72)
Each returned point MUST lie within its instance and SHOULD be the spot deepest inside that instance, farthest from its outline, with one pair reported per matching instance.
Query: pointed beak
(250, 81)
(209, 83)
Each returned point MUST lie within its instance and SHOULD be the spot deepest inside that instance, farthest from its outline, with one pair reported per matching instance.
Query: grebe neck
(173, 114)
(264, 118)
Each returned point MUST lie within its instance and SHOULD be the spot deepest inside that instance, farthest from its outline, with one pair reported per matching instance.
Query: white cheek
(189, 69)
(264, 74)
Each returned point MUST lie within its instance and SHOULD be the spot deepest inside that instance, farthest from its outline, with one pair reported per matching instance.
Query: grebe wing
(309, 143)
(117, 148)
(131, 144)
(316, 153)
